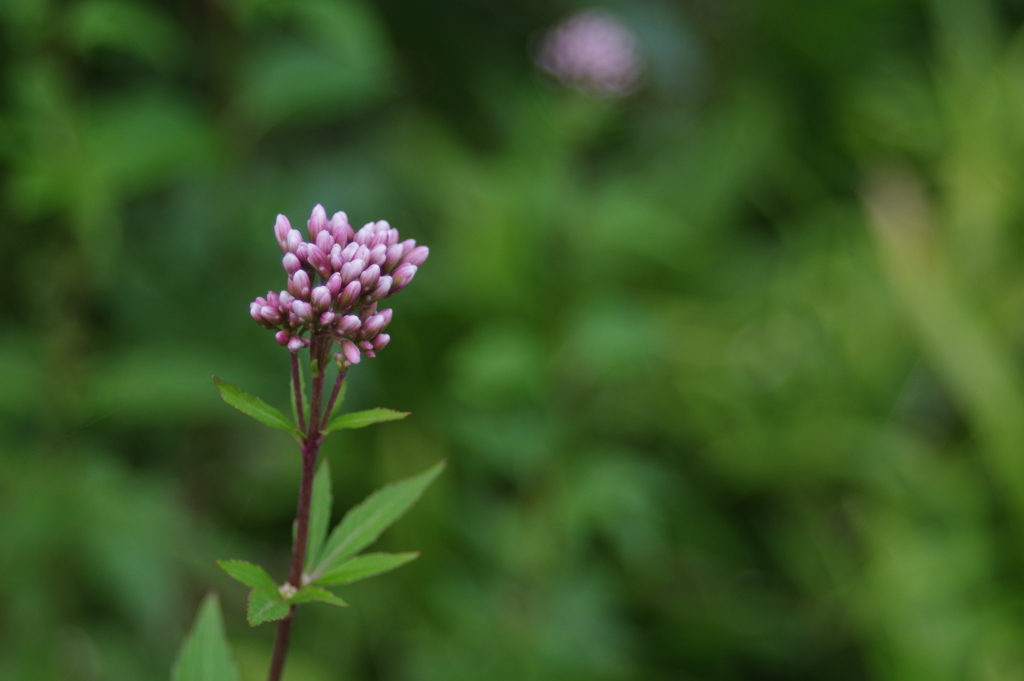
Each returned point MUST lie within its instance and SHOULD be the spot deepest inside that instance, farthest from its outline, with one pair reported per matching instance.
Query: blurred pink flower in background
(594, 52)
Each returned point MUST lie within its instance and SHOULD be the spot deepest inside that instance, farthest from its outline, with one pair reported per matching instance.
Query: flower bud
(368, 311)
(334, 284)
(285, 300)
(349, 252)
(282, 337)
(380, 340)
(369, 277)
(303, 310)
(291, 263)
(362, 253)
(325, 242)
(302, 252)
(340, 229)
(317, 222)
(301, 279)
(416, 256)
(281, 229)
(350, 351)
(254, 311)
(295, 344)
(336, 261)
(403, 275)
(377, 254)
(392, 256)
(293, 240)
(387, 314)
(321, 298)
(364, 234)
(348, 325)
(372, 326)
(349, 295)
(408, 244)
(351, 270)
(327, 318)
(384, 286)
(299, 285)
(271, 314)
(318, 259)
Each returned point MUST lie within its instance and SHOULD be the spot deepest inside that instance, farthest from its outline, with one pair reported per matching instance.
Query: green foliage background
(705, 419)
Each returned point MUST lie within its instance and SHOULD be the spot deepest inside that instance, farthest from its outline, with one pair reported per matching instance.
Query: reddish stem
(310, 453)
(281, 641)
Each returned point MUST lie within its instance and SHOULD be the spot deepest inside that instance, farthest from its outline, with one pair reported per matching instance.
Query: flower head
(594, 52)
(335, 281)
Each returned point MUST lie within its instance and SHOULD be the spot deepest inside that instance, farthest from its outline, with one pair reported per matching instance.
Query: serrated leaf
(266, 606)
(205, 654)
(319, 514)
(316, 593)
(361, 419)
(251, 575)
(253, 406)
(365, 566)
(364, 523)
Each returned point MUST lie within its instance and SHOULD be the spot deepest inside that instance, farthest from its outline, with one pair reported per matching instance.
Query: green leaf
(266, 606)
(205, 654)
(361, 419)
(316, 593)
(251, 575)
(319, 515)
(125, 27)
(365, 566)
(363, 524)
(285, 81)
(253, 406)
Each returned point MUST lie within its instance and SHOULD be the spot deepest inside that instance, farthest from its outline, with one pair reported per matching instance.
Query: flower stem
(334, 397)
(310, 453)
(281, 640)
(297, 388)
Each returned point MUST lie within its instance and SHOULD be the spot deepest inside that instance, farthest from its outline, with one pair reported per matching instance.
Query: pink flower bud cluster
(335, 281)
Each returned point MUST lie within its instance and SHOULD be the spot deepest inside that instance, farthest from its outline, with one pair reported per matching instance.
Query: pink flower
(594, 52)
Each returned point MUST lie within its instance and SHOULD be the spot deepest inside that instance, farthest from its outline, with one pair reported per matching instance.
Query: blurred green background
(727, 371)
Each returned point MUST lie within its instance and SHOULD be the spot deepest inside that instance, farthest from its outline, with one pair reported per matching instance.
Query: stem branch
(334, 397)
(297, 388)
